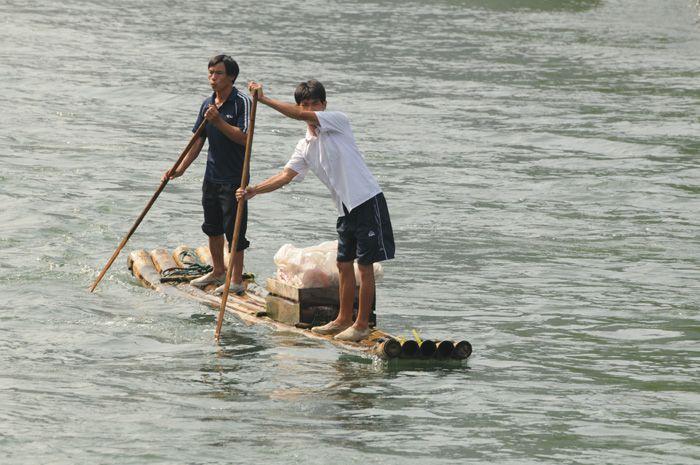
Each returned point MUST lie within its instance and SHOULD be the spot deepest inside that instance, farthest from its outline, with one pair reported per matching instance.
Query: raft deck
(251, 308)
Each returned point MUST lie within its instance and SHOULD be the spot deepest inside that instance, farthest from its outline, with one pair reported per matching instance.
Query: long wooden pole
(239, 215)
(197, 134)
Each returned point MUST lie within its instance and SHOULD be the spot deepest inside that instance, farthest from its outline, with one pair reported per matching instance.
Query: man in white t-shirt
(364, 228)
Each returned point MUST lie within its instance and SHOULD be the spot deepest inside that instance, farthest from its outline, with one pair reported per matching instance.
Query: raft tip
(462, 350)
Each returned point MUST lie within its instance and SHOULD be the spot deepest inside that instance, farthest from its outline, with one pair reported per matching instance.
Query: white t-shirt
(334, 157)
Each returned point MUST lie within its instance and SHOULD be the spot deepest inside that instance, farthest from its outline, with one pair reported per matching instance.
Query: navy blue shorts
(220, 205)
(365, 233)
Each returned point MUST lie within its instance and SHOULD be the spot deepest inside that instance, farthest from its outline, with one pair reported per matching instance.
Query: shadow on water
(203, 318)
(397, 365)
(237, 345)
(381, 401)
(535, 5)
(227, 369)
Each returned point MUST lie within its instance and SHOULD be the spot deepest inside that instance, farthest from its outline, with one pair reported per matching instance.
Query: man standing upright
(226, 113)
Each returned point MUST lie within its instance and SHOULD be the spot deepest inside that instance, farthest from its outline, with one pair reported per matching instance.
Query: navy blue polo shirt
(225, 157)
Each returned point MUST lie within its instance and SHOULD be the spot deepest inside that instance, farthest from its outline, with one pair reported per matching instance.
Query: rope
(184, 275)
(194, 269)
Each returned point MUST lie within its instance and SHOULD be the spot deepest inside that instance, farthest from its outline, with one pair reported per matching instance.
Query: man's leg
(366, 296)
(370, 233)
(346, 289)
(360, 329)
(218, 273)
(236, 285)
(229, 206)
(237, 277)
(216, 248)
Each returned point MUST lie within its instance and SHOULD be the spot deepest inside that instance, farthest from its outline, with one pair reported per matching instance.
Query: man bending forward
(363, 226)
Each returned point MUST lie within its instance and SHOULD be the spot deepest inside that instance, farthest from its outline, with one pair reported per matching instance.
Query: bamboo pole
(150, 203)
(239, 215)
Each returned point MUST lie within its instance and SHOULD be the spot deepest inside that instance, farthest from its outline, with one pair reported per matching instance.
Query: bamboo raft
(283, 308)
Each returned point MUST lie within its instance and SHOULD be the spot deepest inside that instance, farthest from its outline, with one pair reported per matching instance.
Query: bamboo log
(444, 349)
(204, 254)
(142, 266)
(162, 259)
(184, 256)
(462, 350)
(409, 349)
(387, 349)
(427, 348)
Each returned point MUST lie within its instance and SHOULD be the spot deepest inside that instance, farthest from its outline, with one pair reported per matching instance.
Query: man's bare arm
(270, 184)
(287, 109)
(187, 161)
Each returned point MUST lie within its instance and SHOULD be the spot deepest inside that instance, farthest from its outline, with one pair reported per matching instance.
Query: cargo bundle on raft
(281, 305)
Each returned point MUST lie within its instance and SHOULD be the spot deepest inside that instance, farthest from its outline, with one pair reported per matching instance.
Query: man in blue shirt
(226, 112)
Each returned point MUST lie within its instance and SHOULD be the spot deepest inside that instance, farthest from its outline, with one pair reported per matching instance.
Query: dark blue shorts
(220, 205)
(365, 233)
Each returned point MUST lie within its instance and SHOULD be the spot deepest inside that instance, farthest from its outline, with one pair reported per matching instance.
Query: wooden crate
(315, 305)
(306, 297)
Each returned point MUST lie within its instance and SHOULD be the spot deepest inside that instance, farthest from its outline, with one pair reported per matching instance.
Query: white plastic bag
(313, 266)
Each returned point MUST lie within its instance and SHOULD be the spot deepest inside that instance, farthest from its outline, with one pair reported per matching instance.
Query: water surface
(540, 161)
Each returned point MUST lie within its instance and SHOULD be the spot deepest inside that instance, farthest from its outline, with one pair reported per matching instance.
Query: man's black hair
(312, 89)
(229, 63)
